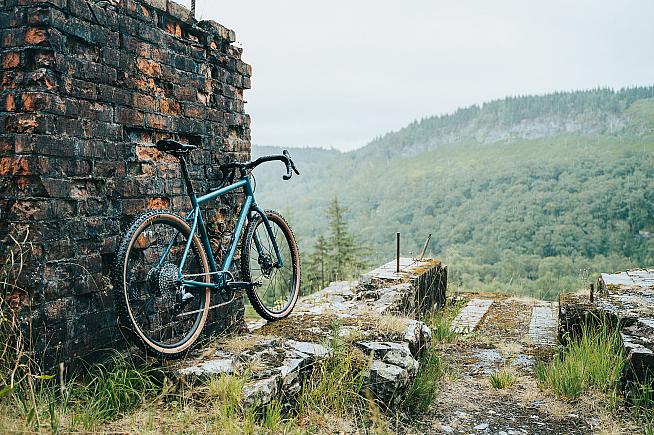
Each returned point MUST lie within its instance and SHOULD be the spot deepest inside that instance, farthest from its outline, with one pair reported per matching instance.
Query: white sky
(338, 73)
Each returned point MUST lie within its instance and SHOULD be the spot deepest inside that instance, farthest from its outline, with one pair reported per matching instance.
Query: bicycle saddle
(173, 147)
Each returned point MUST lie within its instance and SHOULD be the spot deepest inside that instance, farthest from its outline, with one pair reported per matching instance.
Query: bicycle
(165, 272)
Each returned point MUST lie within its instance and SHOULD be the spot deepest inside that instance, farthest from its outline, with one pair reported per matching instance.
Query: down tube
(245, 211)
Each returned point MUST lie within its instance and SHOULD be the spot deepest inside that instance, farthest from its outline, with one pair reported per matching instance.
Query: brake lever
(294, 168)
(288, 163)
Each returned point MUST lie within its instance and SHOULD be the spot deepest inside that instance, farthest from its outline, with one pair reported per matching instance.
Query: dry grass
(238, 344)
(392, 324)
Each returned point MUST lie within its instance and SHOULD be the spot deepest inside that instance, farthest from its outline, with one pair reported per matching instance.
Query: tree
(336, 256)
(317, 266)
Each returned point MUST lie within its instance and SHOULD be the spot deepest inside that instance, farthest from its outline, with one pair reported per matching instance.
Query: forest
(530, 195)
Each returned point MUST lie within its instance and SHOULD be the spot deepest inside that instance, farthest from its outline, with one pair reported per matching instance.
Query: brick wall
(87, 88)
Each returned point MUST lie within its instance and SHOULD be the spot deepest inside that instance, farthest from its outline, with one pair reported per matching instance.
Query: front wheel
(275, 287)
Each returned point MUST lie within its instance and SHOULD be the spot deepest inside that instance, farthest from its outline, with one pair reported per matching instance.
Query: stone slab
(470, 316)
(544, 325)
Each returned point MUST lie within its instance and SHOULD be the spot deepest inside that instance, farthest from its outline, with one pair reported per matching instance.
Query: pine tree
(335, 257)
(318, 266)
(346, 256)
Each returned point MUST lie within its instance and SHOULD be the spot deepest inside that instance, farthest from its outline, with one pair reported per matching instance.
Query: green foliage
(335, 386)
(114, 389)
(336, 257)
(424, 387)
(594, 360)
(642, 395)
(502, 379)
(440, 323)
(527, 216)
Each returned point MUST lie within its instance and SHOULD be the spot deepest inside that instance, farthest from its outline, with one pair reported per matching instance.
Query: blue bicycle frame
(196, 221)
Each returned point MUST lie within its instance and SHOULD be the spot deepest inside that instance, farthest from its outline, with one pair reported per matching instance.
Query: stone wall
(87, 88)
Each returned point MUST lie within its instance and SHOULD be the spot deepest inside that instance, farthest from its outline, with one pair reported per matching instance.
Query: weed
(440, 323)
(227, 390)
(502, 379)
(336, 383)
(642, 395)
(594, 360)
(113, 390)
(424, 387)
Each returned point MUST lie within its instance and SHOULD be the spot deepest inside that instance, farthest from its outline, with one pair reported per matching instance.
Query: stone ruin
(378, 315)
(626, 300)
(87, 89)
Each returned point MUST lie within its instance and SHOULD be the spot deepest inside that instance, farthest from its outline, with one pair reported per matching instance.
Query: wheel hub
(267, 265)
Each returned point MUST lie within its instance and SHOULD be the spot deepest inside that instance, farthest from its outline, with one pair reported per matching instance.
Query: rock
(447, 429)
(391, 353)
(262, 391)
(418, 335)
(387, 382)
(403, 360)
(313, 349)
(482, 426)
(215, 366)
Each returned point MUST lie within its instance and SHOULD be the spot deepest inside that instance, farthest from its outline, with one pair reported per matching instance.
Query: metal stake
(193, 8)
(397, 250)
(592, 290)
(424, 248)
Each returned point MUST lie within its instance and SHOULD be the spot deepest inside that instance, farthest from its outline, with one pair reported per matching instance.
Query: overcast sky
(338, 73)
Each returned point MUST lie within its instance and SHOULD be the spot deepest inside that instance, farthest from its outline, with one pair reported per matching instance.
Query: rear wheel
(275, 288)
(157, 312)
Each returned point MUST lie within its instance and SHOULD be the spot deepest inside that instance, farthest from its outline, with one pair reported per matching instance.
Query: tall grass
(440, 322)
(424, 387)
(336, 384)
(592, 361)
(113, 389)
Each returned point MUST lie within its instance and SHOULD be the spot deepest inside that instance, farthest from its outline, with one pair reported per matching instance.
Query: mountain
(532, 195)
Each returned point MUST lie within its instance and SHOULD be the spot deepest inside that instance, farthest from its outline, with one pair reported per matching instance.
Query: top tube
(216, 193)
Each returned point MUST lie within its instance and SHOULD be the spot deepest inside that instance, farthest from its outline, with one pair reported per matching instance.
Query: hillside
(530, 194)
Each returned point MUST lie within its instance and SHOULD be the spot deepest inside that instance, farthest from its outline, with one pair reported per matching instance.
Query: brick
(170, 107)
(82, 103)
(144, 102)
(159, 122)
(179, 11)
(159, 4)
(11, 59)
(148, 67)
(35, 36)
(9, 103)
(129, 116)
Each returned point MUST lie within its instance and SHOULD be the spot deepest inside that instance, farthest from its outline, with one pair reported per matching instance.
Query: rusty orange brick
(11, 60)
(35, 36)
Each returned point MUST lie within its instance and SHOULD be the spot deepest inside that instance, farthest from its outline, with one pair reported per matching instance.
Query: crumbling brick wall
(87, 88)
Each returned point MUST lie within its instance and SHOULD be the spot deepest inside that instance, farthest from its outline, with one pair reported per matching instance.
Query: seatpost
(187, 180)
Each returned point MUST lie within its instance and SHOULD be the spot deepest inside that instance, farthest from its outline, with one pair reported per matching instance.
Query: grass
(440, 322)
(106, 392)
(424, 387)
(336, 384)
(502, 379)
(594, 360)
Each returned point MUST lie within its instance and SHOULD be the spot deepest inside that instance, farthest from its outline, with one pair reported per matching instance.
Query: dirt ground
(468, 404)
